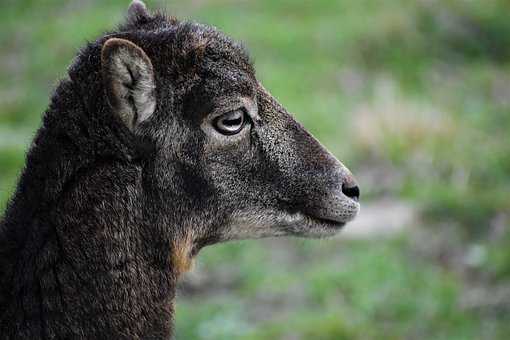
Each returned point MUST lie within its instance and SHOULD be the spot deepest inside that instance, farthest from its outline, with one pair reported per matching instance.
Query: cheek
(190, 176)
(230, 172)
(242, 174)
(247, 186)
(225, 145)
(195, 184)
(230, 154)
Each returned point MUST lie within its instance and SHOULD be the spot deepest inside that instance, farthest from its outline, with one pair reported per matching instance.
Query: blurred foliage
(413, 95)
(340, 290)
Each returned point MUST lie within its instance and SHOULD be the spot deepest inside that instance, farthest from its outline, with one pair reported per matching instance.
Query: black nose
(351, 191)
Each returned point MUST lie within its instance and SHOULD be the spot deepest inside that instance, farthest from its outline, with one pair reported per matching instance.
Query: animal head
(227, 160)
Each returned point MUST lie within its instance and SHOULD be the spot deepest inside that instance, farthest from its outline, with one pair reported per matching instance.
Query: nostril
(351, 191)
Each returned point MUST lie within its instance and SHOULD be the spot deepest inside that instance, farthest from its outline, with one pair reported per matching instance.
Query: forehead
(206, 43)
(222, 79)
(221, 64)
(214, 46)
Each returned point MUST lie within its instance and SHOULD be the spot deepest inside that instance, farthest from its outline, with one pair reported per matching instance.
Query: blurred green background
(414, 96)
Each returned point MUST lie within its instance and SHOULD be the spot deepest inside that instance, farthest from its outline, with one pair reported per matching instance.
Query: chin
(312, 227)
(279, 223)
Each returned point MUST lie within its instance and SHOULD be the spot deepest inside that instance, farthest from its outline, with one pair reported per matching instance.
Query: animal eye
(231, 122)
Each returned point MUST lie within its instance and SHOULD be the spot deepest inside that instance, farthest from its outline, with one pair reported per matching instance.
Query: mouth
(325, 222)
(318, 227)
(271, 223)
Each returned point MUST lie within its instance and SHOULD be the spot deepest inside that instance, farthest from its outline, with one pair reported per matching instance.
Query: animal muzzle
(329, 191)
(339, 202)
(309, 178)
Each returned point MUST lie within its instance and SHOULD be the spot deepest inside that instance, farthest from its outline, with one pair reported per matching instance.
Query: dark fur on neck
(73, 257)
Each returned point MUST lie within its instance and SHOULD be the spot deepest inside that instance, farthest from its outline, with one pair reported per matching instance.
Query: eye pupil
(233, 122)
(230, 123)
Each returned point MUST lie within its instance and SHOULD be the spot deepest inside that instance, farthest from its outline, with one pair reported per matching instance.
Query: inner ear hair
(128, 78)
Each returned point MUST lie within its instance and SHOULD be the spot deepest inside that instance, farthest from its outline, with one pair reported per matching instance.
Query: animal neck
(80, 251)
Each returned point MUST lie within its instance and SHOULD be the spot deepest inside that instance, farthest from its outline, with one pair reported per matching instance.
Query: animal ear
(128, 78)
(136, 11)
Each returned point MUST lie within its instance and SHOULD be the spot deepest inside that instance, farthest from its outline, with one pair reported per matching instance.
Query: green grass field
(414, 96)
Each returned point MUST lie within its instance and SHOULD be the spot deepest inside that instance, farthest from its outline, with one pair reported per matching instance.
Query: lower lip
(328, 223)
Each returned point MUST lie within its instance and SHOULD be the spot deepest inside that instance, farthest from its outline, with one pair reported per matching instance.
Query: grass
(413, 96)
(340, 290)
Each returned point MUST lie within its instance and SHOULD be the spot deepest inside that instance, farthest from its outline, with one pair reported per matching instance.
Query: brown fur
(181, 254)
